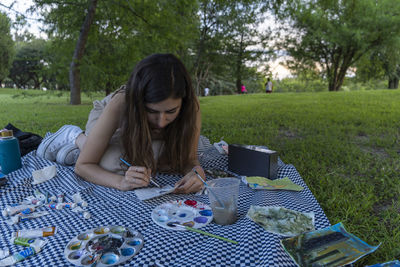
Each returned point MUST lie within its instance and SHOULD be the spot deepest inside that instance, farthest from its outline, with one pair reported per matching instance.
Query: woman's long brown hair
(155, 79)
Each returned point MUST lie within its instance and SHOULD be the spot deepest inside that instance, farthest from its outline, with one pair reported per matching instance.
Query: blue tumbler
(10, 155)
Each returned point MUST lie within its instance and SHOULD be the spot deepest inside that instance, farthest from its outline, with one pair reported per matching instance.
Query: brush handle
(209, 234)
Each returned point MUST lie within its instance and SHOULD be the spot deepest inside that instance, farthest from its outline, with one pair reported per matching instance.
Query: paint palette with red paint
(104, 246)
(185, 212)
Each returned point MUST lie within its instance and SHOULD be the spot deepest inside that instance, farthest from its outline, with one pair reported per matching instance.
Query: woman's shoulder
(118, 97)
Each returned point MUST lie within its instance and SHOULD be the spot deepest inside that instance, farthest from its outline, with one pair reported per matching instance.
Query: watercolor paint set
(187, 212)
(104, 246)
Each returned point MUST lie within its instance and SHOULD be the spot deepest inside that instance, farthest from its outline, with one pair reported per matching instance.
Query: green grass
(345, 145)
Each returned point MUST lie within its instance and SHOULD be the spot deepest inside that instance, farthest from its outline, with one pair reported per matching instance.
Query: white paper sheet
(149, 193)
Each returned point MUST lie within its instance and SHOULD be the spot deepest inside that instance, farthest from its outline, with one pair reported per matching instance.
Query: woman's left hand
(190, 182)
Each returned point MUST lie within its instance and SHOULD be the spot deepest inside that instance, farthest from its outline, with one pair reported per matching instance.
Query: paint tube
(46, 200)
(11, 210)
(24, 217)
(34, 215)
(27, 211)
(85, 215)
(53, 206)
(20, 256)
(66, 205)
(52, 199)
(39, 195)
(4, 253)
(78, 209)
(76, 198)
(26, 242)
(60, 198)
(13, 220)
(34, 233)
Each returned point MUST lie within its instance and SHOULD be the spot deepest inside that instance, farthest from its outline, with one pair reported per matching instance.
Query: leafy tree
(6, 46)
(122, 33)
(243, 41)
(380, 63)
(332, 35)
(29, 64)
(226, 32)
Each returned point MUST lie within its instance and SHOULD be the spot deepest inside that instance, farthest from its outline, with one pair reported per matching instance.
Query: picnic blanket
(108, 206)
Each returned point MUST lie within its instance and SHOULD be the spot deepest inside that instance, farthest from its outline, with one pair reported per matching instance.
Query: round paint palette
(184, 212)
(108, 245)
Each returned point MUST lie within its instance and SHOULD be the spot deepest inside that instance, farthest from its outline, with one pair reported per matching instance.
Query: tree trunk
(239, 66)
(393, 83)
(108, 88)
(74, 70)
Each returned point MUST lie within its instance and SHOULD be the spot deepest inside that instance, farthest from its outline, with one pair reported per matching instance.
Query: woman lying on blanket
(153, 122)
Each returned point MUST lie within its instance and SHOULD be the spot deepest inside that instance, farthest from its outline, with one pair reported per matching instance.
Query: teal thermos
(10, 155)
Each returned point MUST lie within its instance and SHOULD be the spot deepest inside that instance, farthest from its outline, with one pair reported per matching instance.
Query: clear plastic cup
(223, 195)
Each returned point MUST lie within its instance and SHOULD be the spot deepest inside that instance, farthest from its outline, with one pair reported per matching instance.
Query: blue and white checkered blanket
(163, 246)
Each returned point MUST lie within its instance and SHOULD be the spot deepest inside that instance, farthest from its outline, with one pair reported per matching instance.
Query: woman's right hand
(135, 177)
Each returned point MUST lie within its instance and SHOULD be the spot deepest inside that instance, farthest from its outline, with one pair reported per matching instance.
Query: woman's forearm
(95, 174)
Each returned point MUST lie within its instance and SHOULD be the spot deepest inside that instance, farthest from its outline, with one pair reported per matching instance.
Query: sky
(21, 6)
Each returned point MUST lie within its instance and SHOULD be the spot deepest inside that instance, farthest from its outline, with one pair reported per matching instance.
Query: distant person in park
(206, 91)
(268, 86)
(243, 89)
(153, 122)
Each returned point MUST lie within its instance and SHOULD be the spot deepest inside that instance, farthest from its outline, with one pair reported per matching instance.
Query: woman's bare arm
(95, 146)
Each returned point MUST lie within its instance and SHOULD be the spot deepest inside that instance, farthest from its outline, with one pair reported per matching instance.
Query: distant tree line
(93, 45)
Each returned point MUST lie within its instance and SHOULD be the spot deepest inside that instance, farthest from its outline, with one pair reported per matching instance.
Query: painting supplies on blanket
(257, 182)
(227, 191)
(21, 217)
(330, 246)
(33, 249)
(14, 209)
(34, 233)
(205, 233)
(282, 221)
(151, 179)
(26, 242)
(10, 155)
(187, 212)
(153, 192)
(251, 160)
(104, 246)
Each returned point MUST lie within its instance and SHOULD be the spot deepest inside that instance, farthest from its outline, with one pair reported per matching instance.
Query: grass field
(345, 145)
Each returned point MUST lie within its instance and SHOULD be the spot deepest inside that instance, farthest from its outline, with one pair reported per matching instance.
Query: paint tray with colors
(187, 212)
(104, 246)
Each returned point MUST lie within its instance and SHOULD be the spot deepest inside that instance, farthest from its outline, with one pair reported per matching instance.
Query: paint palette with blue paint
(185, 212)
(104, 246)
